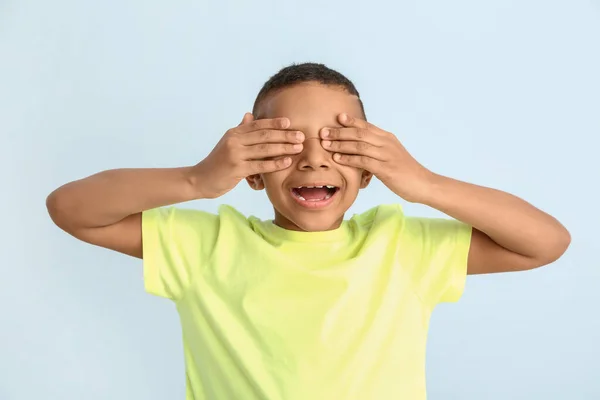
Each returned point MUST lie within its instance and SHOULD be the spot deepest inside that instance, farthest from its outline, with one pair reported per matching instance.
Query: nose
(314, 156)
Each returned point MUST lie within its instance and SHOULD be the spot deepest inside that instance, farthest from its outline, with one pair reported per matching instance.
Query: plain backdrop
(500, 93)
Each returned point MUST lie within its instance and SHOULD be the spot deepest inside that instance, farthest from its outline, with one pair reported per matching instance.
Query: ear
(365, 179)
(256, 182)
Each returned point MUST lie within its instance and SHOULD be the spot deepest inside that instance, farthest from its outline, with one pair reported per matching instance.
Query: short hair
(303, 73)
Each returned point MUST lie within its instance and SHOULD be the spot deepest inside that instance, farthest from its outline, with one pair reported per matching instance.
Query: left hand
(361, 144)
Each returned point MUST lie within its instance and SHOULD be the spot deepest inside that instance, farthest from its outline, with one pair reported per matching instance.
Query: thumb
(248, 117)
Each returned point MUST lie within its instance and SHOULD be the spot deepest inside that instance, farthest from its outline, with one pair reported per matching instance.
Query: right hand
(253, 147)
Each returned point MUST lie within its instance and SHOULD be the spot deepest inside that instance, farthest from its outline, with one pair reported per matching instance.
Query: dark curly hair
(306, 72)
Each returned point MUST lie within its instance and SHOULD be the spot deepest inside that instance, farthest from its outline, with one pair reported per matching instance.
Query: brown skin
(509, 234)
(105, 209)
(310, 107)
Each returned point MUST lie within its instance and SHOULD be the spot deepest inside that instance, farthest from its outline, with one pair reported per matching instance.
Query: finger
(267, 150)
(271, 123)
(359, 123)
(354, 134)
(266, 166)
(248, 117)
(349, 120)
(362, 162)
(271, 136)
(354, 147)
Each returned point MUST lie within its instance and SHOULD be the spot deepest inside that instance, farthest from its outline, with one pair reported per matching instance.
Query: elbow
(556, 247)
(52, 205)
(55, 204)
(563, 243)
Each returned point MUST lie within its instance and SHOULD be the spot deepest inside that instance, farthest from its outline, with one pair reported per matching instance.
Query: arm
(509, 234)
(105, 209)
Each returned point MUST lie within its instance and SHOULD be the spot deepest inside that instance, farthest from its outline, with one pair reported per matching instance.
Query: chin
(294, 213)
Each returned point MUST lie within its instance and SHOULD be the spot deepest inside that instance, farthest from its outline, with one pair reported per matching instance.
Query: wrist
(193, 186)
(431, 187)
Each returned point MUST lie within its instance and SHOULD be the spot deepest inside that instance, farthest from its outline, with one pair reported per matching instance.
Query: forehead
(310, 106)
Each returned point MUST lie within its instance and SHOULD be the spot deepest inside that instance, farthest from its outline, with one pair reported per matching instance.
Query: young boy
(308, 305)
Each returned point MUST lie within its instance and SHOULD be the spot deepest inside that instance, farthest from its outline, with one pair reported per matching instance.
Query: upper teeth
(319, 187)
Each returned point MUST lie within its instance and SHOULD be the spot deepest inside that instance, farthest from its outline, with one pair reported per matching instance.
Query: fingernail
(300, 136)
(325, 133)
(285, 123)
(326, 143)
(343, 117)
(297, 147)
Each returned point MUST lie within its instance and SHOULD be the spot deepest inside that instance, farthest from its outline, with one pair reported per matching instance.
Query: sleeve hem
(461, 257)
(151, 245)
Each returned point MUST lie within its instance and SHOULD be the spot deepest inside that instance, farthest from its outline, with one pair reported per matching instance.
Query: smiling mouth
(317, 194)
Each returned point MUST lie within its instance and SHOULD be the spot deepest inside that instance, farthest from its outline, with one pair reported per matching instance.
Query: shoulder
(191, 215)
(171, 216)
(381, 214)
(391, 218)
(178, 222)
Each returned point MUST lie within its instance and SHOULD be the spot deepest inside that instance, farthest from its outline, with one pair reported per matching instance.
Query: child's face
(311, 107)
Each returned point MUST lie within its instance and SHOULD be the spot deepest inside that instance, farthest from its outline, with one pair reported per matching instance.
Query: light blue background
(500, 93)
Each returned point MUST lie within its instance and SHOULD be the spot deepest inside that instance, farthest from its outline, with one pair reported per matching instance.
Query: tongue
(313, 193)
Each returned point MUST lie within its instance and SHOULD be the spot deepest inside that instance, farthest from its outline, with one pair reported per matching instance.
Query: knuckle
(230, 142)
(294, 136)
(361, 133)
(265, 134)
(362, 146)
(263, 148)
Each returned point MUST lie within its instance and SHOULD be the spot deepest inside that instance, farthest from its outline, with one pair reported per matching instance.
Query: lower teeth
(328, 196)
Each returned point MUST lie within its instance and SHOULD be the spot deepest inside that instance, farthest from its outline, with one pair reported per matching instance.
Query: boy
(308, 305)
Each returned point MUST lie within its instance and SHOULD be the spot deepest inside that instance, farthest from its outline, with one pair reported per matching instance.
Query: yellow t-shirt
(273, 314)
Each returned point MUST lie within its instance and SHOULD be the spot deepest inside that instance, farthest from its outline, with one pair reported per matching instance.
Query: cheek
(352, 175)
(274, 180)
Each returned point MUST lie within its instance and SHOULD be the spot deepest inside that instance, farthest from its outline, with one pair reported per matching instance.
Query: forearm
(109, 196)
(508, 220)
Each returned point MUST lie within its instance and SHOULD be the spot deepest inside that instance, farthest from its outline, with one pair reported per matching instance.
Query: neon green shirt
(273, 314)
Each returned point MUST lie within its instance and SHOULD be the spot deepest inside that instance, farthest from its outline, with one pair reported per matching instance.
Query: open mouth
(314, 196)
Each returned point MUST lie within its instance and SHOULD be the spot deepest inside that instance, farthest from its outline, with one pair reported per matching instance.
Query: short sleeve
(176, 244)
(440, 249)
